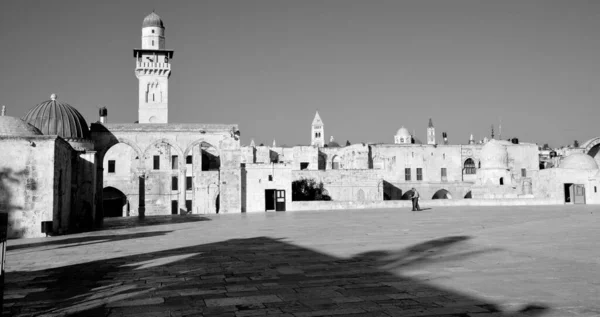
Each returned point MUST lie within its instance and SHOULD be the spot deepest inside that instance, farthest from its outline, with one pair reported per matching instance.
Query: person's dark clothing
(415, 201)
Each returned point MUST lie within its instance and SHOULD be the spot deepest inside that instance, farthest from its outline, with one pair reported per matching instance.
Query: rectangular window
(174, 162)
(111, 166)
(188, 159)
(407, 174)
(444, 174)
(270, 178)
(174, 183)
(303, 166)
(174, 207)
(188, 206)
(523, 172)
(156, 162)
(188, 183)
(419, 174)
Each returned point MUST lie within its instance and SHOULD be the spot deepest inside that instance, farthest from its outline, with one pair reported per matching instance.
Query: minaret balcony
(150, 65)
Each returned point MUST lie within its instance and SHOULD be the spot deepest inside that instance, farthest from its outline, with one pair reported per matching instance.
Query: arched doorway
(442, 194)
(335, 163)
(121, 162)
(114, 202)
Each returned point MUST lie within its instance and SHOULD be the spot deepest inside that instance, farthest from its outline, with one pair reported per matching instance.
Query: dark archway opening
(113, 202)
(468, 195)
(407, 195)
(442, 194)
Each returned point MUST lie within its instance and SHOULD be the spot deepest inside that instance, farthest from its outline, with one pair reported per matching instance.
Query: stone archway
(592, 148)
(442, 194)
(114, 202)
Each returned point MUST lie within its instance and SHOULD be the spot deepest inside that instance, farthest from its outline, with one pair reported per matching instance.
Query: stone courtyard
(443, 261)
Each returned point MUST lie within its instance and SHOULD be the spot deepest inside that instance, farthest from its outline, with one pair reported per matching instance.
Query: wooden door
(280, 202)
(579, 194)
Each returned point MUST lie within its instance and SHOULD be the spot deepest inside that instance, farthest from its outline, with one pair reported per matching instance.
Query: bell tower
(317, 132)
(430, 133)
(153, 69)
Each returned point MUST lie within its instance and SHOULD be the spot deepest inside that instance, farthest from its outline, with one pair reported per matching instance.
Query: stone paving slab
(467, 261)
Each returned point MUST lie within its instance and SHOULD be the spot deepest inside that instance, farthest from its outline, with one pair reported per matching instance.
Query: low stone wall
(336, 205)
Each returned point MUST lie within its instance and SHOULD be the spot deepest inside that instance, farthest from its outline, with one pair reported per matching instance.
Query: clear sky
(368, 66)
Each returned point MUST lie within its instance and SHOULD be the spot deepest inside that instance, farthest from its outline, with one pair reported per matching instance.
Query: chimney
(103, 114)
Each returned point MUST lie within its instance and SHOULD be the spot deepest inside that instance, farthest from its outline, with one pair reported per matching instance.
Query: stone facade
(170, 168)
(35, 184)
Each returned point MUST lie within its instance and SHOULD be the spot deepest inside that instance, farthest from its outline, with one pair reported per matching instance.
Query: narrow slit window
(189, 183)
(156, 162)
(174, 162)
(111, 166)
(174, 183)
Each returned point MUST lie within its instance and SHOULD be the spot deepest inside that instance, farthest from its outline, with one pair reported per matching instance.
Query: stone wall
(214, 171)
(35, 184)
(405, 205)
(260, 177)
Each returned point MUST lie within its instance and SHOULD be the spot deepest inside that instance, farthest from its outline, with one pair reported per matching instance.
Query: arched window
(501, 180)
(469, 168)
(335, 163)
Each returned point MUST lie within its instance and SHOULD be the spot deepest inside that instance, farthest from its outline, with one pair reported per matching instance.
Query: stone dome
(52, 117)
(152, 20)
(579, 161)
(403, 132)
(11, 126)
(494, 155)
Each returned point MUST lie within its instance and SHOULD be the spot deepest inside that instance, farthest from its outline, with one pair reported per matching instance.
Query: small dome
(11, 126)
(55, 118)
(579, 161)
(403, 132)
(152, 20)
(494, 155)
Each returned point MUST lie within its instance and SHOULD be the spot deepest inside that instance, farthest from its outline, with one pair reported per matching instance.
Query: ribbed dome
(152, 20)
(55, 118)
(403, 132)
(11, 126)
(579, 161)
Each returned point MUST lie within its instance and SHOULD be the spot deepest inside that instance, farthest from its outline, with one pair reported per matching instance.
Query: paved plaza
(452, 261)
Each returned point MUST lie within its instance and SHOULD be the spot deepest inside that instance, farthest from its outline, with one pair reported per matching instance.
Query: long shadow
(85, 240)
(130, 222)
(255, 276)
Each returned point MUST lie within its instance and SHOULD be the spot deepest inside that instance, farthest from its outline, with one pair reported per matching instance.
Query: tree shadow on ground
(242, 277)
(130, 222)
(453, 248)
(68, 242)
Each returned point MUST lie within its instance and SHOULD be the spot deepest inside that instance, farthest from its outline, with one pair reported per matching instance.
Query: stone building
(59, 174)
(378, 172)
(155, 167)
(48, 174)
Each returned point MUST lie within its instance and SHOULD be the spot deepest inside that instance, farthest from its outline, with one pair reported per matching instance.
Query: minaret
(153, 69)
(317, 132)
(430, 133)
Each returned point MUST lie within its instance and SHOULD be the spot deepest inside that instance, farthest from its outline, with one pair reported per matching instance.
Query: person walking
(415, 200)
